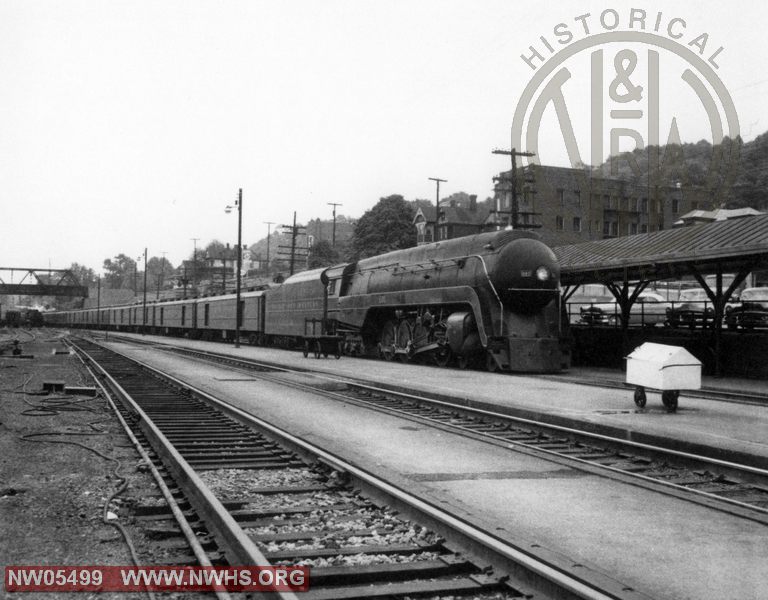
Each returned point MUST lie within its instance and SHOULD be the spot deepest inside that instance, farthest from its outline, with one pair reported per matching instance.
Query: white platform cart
(662, 367)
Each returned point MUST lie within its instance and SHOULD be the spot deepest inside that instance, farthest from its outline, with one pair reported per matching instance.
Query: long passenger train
(489, 299)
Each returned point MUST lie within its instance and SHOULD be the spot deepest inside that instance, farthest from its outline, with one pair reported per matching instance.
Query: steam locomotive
(490, 299)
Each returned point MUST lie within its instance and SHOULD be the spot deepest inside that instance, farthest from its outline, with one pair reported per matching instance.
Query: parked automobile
(591, 310)
(751, 312)
(649, 310)
(694, 308)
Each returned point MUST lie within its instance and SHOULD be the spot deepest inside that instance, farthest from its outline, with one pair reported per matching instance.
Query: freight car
(490, 299)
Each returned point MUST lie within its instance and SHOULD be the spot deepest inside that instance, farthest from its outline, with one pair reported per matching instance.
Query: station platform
(655, 545)
(757, 388)
(725, 430)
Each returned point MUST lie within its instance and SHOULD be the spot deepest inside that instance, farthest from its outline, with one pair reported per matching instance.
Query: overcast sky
(132, 124)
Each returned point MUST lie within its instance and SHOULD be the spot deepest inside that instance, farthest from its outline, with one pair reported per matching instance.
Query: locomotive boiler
(490, 298)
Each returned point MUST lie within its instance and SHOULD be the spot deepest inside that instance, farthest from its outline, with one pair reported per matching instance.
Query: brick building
(580, 205)
(566, 206)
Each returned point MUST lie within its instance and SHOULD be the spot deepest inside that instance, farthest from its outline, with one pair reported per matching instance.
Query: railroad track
(728, 486)
(600, 382)
(266, 497)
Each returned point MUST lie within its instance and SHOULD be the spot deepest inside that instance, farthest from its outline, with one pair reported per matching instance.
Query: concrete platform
(728, 430)
(662, 547)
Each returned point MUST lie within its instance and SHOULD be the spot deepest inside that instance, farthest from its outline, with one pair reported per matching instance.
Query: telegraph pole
(334, 204)
(194, 260)
(239, 309)
(437, 180)
(162, 276)
(144, 319)
(269, 232)
(294, 234)
(512, 219)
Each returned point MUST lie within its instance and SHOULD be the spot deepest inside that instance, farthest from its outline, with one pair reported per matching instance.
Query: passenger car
(693, 308)
(752, 312)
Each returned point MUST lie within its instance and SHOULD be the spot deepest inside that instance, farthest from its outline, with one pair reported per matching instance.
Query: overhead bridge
(40, 282)
(627, 265)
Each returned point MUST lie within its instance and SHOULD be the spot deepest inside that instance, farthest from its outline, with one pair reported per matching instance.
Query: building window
(632, 229)
(559, 223)
(606, 228)
(561, 196)
(644, 205)
(577, 193)
(614, 228)
(643, 228)
(183, 315)
(577, 223)
(206, 314)
(162, 314)
(675, 206)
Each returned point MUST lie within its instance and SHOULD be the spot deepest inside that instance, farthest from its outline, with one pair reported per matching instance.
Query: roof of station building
(733, 244)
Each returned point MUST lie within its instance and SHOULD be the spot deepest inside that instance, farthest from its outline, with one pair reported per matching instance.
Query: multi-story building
(566, 206)
(581, 205)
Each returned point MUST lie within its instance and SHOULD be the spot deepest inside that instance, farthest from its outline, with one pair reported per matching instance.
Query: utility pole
(238, 307)
(98, 302)
(294, 234)
(194, 262)
(512, 219)
(162, 276)
(334, 204)
(437, 180)
(269, 232)
(144, 319)
(239, 310)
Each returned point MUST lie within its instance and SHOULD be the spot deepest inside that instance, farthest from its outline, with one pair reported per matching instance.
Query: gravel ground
(52, 494)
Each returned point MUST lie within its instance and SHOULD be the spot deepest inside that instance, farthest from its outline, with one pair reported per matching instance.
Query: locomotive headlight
(542, 274)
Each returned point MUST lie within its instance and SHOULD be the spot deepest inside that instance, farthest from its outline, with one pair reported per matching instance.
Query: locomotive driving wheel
(387, 341)
(404, 340)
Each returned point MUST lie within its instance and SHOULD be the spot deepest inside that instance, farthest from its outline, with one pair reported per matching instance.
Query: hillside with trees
(737, 172)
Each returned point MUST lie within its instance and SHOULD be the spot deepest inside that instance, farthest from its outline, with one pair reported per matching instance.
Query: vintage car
(694, 308)
(751, 312)
(649, 310)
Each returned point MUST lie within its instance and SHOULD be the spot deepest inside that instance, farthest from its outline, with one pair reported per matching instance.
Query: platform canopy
(40, 282)
(721, 247)
(627, 265)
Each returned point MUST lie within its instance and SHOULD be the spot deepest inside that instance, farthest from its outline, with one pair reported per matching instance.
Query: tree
(387, 226)
(120, 272)
(322, 254)
(159, 274)
(84, 275)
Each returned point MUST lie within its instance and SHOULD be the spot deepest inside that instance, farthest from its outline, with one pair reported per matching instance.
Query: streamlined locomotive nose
(527, 275)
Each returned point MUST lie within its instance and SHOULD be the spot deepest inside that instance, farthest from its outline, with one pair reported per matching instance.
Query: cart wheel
(318, 349)
(640, 398)
(306, 348)
(669, 399)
